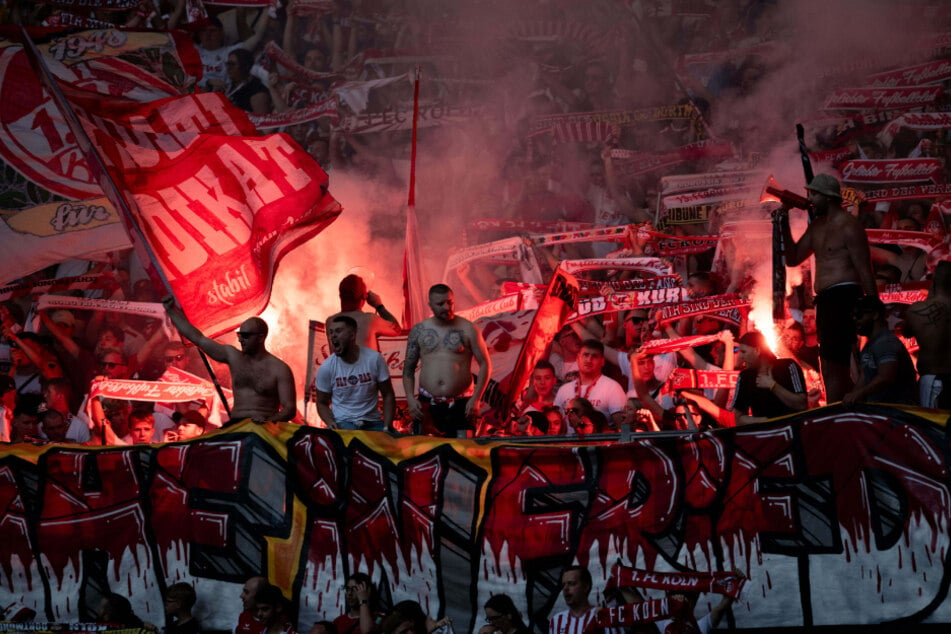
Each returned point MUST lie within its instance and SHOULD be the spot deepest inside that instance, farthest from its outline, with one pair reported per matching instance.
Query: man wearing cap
(353, 295)
(767, 387)
(843, 274)
(888, 373)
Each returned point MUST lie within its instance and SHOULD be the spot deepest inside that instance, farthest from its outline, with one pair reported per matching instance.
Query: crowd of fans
(266, 610)
(564, 58)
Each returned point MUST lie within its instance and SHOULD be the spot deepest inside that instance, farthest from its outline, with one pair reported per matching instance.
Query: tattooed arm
(409, 373)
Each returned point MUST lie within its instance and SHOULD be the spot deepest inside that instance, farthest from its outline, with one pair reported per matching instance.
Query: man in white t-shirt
(350, 381)
(604, 393)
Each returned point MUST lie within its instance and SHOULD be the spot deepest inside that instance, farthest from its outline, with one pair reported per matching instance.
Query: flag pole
(98, 168)
(412, 273)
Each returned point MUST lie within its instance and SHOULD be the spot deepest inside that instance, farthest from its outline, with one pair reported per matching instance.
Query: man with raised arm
(353, 295)
(263, 384)
(843, 274)
(445, 345)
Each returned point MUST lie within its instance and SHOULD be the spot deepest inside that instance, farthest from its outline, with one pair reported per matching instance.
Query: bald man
(263, 384)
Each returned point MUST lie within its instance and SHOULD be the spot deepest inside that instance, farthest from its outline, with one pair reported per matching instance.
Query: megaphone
(774, 193)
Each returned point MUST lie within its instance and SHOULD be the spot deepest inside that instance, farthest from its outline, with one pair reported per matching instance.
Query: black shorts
(835, 326)
(446, 420)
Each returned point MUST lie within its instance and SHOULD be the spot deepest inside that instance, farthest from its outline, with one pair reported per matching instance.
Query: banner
(77, 283)
(903, 98)
(632, 163)
(796, 504)
(218, 210)
(930, 73)
(663, 346)
(430, 115)
(908, 192)
(680, 183)
(645, 265)
(727, 308)
(727, 584)
(613, 118)
(685, 378)
(559, 300)
(324, 109)
(892, 170)
(921, 121)
(628, 300)
(34, 137)
(917, 239)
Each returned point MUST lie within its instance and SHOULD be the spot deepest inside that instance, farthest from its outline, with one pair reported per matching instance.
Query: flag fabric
(218, 206)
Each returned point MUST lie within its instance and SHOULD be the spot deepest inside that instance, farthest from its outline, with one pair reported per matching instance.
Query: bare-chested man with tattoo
(445, 345)
(263, 384)
(843, 274)
(930, 322)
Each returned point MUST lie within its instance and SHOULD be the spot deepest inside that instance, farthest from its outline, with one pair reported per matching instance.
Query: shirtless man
(353, 294)
(843, 273)
(446, 345)
(263, 384)
(930, 322)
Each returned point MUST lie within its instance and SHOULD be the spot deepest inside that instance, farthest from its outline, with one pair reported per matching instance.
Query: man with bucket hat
(843, 274)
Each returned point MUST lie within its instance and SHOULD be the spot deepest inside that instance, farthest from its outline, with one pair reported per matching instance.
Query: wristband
(378, 308)
(364, 602)
(772, 386)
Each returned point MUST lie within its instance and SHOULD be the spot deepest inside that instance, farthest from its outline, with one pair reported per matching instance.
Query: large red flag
(218, 206)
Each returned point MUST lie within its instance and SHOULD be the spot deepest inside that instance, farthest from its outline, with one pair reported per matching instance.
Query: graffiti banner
(836, 517)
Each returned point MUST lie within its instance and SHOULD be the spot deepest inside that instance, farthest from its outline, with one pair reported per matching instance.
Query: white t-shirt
(564, 623)
(353, 388)
(213, 63)
(606, 395)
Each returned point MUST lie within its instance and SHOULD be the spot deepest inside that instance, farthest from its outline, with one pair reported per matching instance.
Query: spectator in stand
(582, 419)
(794, 341)
(33, 361)
(502, 617)
(245, 90)
(115, 609)
(190, 424)
(214, 53)
(635, 417)
(575, 589)
(353, 295)
(247, 622)
(80, 360)
(556, 422)
(888, 373)
(141, 427)
(363, 610)
(541, 392)
(179, 600)
(58, 395)
(529, 424)
(271, 611)
(565, 357)
(323, 627)
(687, 622)
(113, 364)
(407, 617)
(930, 322)
(767, 387)
(25, 424)
(605, 394)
